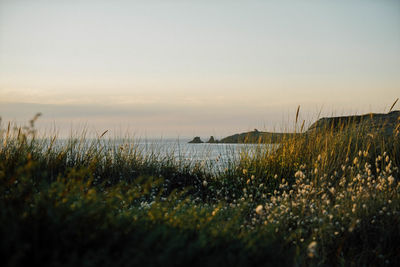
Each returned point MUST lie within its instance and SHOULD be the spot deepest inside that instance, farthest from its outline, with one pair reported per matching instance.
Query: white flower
(299, 174)
(259, 209)
(205, 183)
(390, 179)
(311, 249)
(332, 190)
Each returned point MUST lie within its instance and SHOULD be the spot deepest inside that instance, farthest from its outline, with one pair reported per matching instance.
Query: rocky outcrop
(212, 140)
(196, 140)
(386, 123)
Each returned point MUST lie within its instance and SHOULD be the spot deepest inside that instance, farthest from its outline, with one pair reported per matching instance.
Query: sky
(185, 68)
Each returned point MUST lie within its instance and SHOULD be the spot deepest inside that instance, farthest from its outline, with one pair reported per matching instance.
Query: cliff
(386, 123)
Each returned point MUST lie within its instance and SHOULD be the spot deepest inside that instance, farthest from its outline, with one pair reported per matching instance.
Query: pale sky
(185, 68)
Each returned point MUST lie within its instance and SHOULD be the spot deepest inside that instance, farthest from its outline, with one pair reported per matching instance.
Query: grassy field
(323, 199)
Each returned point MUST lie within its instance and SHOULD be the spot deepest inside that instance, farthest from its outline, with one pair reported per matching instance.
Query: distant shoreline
(386, 123)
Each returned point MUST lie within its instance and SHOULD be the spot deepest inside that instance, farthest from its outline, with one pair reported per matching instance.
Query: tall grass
(329, 197)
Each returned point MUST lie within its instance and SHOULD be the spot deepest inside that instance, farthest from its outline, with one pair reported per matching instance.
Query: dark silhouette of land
(384, 123)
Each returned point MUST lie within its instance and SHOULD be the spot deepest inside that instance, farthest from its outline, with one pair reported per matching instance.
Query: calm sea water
(213, 156)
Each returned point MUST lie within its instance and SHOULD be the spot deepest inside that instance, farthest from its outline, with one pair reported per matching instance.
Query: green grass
(328, 198)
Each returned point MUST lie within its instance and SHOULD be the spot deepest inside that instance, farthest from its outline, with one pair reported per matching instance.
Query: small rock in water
(196, 140)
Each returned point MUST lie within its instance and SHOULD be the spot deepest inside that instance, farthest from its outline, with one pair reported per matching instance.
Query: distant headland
(246, 138)
(386, 123)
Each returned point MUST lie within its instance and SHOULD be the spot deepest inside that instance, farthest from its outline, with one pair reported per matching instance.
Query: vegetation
(328, 198)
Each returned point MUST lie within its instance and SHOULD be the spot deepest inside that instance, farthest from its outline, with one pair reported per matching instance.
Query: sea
(214, 157)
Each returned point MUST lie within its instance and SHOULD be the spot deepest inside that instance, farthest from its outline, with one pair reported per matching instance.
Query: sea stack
(196, 140)
(212, 140)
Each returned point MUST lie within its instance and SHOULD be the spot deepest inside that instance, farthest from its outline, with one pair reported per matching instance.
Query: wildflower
(390, 179)
(332, 190)
(259, 209)
(299, 174)
(387, 169)
(354, 208)
(244, 171)
(311, 249)
(355, 161)
(214, 212)
(205, 183)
